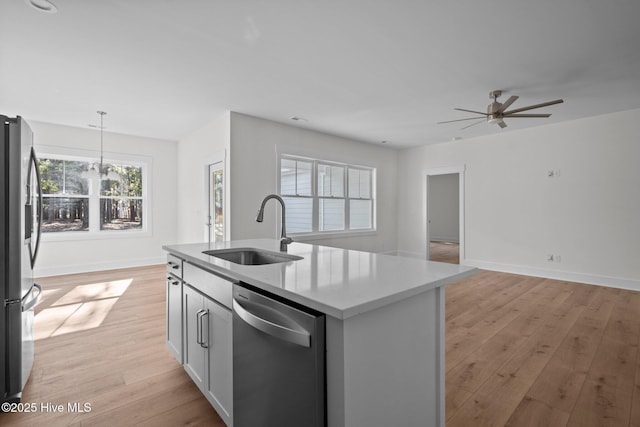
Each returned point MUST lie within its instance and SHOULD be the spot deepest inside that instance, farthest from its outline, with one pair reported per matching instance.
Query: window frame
(71, 154)
(316, 232)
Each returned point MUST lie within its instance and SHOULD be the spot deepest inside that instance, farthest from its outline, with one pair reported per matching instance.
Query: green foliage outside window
(66, 199)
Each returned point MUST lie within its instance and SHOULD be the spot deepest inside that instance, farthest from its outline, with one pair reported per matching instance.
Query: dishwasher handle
(300, 337)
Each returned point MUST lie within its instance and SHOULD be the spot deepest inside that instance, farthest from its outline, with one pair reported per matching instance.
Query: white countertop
(338, 282)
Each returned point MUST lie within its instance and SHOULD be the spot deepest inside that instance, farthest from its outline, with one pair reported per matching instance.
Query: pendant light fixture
(101, 171)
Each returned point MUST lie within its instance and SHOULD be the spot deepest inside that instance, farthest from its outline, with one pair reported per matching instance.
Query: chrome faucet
(284, 240)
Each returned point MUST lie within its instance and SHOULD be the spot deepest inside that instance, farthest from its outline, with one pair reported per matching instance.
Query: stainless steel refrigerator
(20, 221)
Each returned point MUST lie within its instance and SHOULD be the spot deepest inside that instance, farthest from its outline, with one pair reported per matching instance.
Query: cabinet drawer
(174, 265)
(213, 286)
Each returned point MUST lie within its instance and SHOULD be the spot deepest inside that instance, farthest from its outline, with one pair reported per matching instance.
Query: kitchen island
(384, 324)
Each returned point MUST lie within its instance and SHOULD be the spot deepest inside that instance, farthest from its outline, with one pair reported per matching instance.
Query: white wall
(254, 146)
(74, 256)
(444, 201)
(195, 152)
(516, 215)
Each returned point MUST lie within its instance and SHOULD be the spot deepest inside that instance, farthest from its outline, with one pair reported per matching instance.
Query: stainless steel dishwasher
(278, 361)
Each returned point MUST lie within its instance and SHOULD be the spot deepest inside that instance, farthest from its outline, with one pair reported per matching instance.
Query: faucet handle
(284, 242)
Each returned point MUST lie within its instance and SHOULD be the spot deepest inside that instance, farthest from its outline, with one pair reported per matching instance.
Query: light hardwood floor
(102, 341)
(521, 351)
(444, 252)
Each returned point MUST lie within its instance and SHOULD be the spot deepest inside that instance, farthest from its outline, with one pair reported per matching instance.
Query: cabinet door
(174, 317)
(194, 353)
(219, 384)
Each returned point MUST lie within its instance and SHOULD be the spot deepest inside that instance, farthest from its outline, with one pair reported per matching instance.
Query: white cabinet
(174, 306)
(194, 352)
(219, 375)
(207, 334)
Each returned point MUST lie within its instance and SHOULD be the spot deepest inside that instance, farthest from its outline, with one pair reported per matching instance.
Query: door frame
(445, 170)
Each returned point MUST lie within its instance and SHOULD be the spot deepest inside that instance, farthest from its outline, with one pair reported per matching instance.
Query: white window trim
(329, 234)
(145, 162)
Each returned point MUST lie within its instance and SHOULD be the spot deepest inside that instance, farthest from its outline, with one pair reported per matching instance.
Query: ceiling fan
(497, 112)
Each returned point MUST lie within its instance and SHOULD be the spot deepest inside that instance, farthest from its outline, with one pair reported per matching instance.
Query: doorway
(445, 214)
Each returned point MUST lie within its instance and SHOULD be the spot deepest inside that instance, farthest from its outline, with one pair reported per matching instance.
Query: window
(322, 196)
(65, 195)
(75, 199)
(121, 201)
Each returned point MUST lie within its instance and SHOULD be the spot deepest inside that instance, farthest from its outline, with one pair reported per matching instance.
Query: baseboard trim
(86, 268)
(590, 279)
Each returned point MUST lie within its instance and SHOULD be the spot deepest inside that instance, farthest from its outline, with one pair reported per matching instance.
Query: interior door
(216, 203)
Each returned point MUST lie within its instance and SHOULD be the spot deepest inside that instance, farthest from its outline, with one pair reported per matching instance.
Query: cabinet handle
(173, 281)
(203, 343)
(199, 327)
(173, 265)
(200, 315)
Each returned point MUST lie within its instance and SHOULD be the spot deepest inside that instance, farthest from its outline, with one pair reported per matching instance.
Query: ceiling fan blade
(459, 120)
(531, 107)
(471, 111)
(507, 103)
(473, 124)
(525, 115)
(502, 124)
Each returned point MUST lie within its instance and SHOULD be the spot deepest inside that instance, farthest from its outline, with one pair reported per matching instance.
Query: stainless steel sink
(251, 256)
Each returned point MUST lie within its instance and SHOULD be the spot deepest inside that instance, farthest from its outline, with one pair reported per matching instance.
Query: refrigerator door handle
(26, 306)
(297, 336)
(33, 162)
(28, 224)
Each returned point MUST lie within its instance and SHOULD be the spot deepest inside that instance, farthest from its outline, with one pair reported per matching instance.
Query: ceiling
(371, 70)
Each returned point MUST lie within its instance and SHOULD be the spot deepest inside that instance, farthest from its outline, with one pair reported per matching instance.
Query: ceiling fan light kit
(497, 112)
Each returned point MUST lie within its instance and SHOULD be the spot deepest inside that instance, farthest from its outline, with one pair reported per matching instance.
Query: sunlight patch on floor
(94, 291)
(83, 307)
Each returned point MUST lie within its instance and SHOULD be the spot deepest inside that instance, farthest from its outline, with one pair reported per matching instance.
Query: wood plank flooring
(102, 342)
(525, 351)
(444, 252)
(520, 351)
